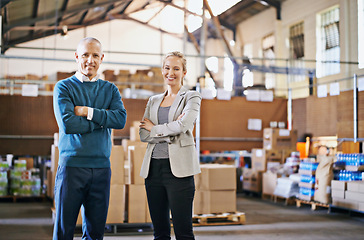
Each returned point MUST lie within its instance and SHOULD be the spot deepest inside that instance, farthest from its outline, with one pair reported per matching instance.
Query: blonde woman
(171, 159)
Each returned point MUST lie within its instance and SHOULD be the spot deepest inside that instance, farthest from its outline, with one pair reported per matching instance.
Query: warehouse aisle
(265, 220)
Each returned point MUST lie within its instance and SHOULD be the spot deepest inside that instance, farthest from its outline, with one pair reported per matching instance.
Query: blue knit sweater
(85, 143)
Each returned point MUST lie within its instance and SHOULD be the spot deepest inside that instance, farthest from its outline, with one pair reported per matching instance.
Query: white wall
(115, 35)
(254, 29)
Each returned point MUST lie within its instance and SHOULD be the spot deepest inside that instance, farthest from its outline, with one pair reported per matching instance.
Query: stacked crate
(279, 139)
(277, 146)
(136, 206)
(348, 194)
(215, 189)
(116, 212)
(307, 173)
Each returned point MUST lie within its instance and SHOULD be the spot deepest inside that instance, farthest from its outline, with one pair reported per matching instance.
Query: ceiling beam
(156, 14)
(34, 14)
(182, 8)
(197, 46)
(219, 31)
(127, 17)
(27, 22)
(277, 5)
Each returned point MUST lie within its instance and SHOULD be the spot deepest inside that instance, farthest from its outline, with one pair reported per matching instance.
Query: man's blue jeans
(74, 187)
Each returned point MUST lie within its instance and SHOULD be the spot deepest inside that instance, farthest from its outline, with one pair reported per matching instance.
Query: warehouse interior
(280, 131)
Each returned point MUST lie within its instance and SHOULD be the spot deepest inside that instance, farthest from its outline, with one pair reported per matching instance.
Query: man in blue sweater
(86, 109)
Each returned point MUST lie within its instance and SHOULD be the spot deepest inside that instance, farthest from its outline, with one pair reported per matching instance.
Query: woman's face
(172, 71)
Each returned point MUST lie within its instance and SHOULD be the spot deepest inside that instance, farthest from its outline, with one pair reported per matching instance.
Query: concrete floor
(264, 220)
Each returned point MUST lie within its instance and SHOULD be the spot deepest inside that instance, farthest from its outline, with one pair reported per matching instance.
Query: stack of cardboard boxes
(135, 199)
(277, 146)
(117, 186)
(215, 189)
(348, 194)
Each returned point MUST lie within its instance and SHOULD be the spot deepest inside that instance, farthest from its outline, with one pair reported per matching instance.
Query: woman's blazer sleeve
(191, 111)
(145, 134)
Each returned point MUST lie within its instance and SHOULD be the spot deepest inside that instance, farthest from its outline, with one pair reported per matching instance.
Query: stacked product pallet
(277, 146)
(348, 194)
(348, 185)
(3, 181)
(307, 173)
(19, 178)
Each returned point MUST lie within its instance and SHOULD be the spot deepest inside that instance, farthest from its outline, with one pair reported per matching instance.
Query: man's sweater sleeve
(64, 112)
(115, 116)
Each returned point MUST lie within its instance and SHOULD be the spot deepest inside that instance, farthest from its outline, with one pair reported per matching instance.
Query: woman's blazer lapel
(155, 106)
(172, 111)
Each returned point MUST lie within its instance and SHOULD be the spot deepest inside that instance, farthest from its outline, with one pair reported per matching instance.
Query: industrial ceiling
(26, 20)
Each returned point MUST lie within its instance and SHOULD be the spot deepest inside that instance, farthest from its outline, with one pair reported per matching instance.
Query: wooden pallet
(314, 204)
(236, 218)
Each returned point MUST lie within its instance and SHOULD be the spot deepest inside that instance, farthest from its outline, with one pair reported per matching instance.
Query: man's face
(89, 57)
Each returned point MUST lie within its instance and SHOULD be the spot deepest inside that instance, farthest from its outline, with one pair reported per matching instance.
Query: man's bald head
(89, 40)
(89, 56)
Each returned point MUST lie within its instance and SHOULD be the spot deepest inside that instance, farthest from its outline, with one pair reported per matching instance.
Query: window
(269, 56)
(297, 50)
(268, 49)
(328, 43)
(297, 40)
(361, 33)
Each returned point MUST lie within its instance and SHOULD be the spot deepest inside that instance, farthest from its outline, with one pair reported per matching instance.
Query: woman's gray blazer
(178, 133)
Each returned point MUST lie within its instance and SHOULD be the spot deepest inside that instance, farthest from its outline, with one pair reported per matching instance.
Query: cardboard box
(117, 165)
(339, 185)
(116, 212)
(216, 177)
(345, 203)
(355, 186)
(29, 161)
(258, 159)
(355, 196)
(136, 204)
(134, 134)
(147, 214)
(207, 201)
(252, 180)
(335, 193)
(126, 143)
(79, 218)
(54, 158)
(269, 182)
(135, 159)
(276, 138)
(261, 158)
(126, 172)
(361, 207)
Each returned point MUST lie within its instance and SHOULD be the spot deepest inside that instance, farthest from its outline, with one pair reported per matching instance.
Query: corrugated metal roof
(26, 20)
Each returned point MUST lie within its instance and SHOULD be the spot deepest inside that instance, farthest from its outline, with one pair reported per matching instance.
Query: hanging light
(64, 32)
